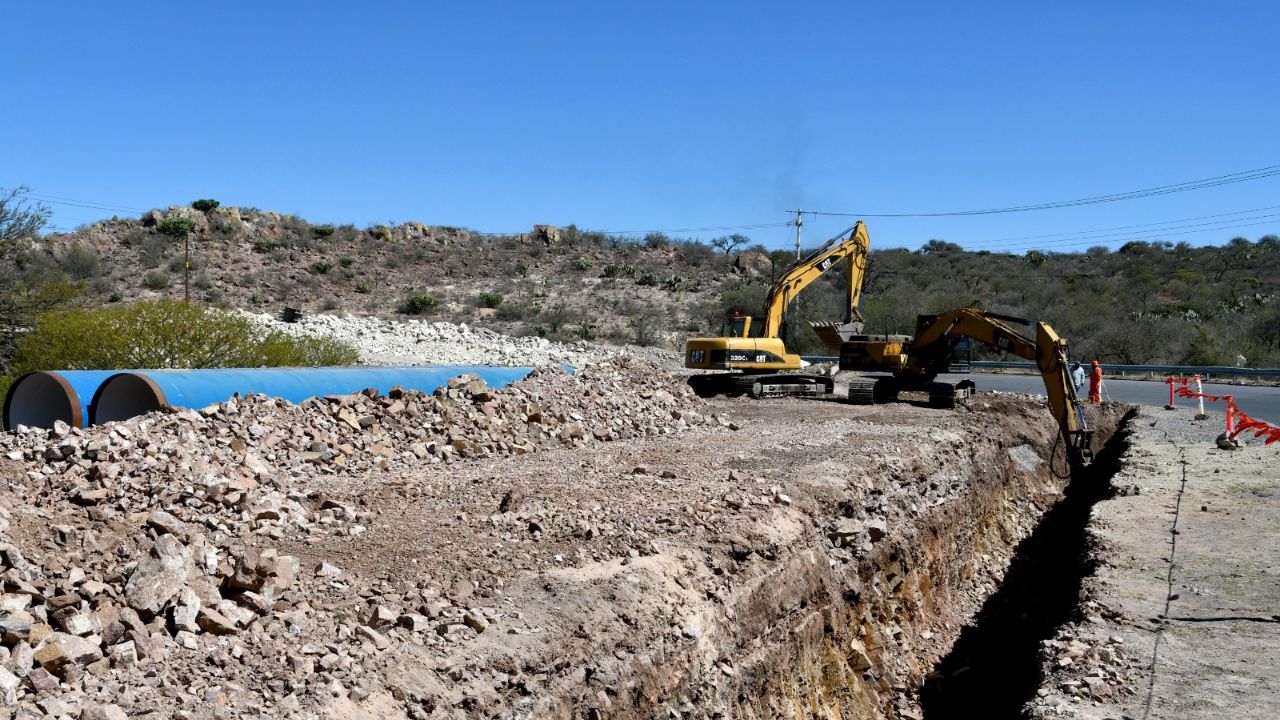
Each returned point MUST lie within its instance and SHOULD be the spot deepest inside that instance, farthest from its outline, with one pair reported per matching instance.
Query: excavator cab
(738, 326)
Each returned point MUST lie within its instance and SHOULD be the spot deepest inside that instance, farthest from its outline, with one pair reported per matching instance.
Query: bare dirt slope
(1184, 606)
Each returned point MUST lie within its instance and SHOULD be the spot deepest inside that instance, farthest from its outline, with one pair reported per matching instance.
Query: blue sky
(656, 115)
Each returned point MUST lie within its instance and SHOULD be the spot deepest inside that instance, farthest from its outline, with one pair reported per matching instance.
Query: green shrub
(151, 250)
(523, 268)
(648, 279)
(420, 304)
(364, 288)
(205, 205)
(491, 299)
(177, 227)
(167, 334)
(263, 245)
(322, 231)
(320, 267)
(115, 297)
(611, 271)
(346, 261)
(155, 280)
(582, 264)
(348, 274)
(673, 283)
(513, 311)
(656, 240)
(80, 262)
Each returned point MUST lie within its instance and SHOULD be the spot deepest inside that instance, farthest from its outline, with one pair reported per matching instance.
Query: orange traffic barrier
(1237, 420)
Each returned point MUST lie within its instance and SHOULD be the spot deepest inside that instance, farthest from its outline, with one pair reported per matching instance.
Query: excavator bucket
(833, 334)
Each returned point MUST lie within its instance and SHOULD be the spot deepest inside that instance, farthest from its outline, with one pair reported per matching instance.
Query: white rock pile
(418, 342)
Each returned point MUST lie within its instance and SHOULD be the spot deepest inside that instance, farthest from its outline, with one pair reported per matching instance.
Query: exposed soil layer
(814, 568)
(994, 670)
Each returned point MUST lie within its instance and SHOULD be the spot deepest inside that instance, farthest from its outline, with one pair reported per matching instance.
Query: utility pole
(799, 224)
(793, 308)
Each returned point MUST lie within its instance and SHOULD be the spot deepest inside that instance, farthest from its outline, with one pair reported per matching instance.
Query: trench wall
(817, 635)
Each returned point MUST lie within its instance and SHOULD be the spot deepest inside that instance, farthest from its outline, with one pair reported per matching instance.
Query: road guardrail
(1204, 371)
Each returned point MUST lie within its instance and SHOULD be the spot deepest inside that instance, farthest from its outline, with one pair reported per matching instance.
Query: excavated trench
(994, 669)
(941, 618)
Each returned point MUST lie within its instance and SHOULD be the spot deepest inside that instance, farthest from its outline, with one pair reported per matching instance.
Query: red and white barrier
(1237, 420)
(1171, 381)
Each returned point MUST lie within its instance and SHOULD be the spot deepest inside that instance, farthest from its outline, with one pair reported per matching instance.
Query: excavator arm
(932, 344)
(853, 249)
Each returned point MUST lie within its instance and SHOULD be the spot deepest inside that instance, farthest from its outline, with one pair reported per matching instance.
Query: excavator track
(862, 391)
(760, 386)
(947, 395)
(873, 390)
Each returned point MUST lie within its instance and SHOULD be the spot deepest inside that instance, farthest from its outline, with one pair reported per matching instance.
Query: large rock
(103, 712)
(60, 650)
(265, 572)
(159, 576)
(15, 626)
(8, 688)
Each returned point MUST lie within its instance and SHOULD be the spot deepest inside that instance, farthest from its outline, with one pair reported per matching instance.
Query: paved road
(1258, 401)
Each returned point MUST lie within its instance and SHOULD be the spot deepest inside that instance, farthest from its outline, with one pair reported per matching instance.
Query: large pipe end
(39, 399)
(125, 396)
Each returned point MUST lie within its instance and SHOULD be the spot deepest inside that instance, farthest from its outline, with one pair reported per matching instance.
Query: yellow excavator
(753, 353)
(913, 363)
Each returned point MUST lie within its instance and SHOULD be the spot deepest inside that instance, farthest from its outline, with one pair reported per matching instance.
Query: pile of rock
(417, 342)
(1084, 664)
(230, 448)
(137, 556)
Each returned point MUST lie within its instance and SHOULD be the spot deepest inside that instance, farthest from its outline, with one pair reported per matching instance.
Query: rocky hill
(1147, 302)
(559, 282)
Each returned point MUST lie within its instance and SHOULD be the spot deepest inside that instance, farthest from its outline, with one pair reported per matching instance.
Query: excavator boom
(928, 355)
(760, 357)
(853, 249)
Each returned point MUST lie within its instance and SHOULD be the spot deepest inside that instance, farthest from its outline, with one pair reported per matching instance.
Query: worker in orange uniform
(1095, 383)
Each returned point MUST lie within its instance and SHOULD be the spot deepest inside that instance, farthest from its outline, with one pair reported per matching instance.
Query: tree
(18, 219)
(30, 281)
(728, 243)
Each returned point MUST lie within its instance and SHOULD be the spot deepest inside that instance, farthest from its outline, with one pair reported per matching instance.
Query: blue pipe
(129, 394)
(38, 399)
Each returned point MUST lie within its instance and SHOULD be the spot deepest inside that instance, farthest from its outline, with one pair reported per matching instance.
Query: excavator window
(737, 326)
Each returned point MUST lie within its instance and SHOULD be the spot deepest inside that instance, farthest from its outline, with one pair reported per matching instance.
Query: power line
(757, 226)
(1047, 276)
(1154, 234)
(1187, 186)
(80, 203)
(1142, 225)
(1142, 238)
